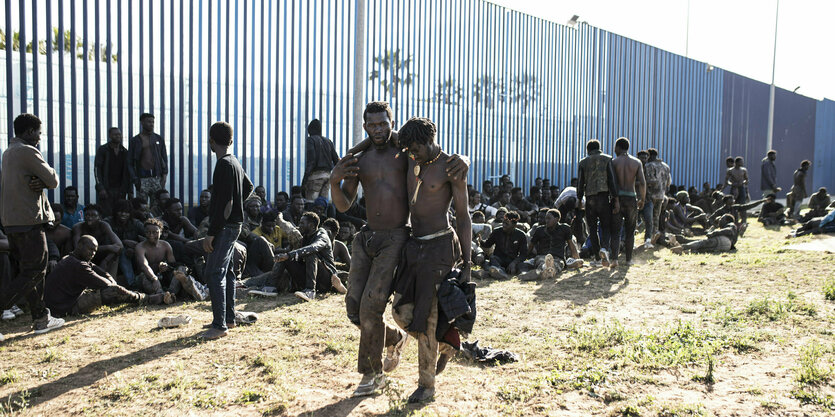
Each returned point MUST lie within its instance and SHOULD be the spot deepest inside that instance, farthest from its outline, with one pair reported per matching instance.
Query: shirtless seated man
(156, 263)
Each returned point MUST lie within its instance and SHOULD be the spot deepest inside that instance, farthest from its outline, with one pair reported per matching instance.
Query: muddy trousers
(428, 345)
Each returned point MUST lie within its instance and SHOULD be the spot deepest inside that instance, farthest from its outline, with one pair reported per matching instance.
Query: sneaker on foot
(174, 321)
(548, 273)
(337, 284)
(573, 263)
(47, 323)
(169, 298)
(8, 315)
(531, 275)
(370, 384)
(678, 250)
(422, 395)
(394, 351)
(213, 334)
(16, 310)
(549, 261)
(498, 273)
(2, 338)
(604, 256)
(306, 295)
(648, 244)
(655, 237)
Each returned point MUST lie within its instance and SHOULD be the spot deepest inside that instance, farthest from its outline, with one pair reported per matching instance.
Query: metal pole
(770, 131)
(687, 36)
(359, 71)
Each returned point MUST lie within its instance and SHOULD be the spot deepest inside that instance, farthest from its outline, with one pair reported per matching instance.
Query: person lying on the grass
(721, 239)
(78, 286)
(158, 268)
(817, 225)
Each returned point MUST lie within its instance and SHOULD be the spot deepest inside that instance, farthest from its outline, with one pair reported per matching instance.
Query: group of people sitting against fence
(147, 248)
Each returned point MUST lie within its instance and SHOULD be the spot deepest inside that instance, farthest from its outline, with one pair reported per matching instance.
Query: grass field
(740, 334)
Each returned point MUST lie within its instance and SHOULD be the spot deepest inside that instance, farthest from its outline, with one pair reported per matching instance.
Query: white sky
(736, 35)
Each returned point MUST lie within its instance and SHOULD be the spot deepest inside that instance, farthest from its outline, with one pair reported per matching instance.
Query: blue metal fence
(518, 94)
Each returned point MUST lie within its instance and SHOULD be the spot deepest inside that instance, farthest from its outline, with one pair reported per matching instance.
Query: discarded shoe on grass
(173, 321)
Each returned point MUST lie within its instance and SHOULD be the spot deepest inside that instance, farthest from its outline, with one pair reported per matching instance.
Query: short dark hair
(332, 225)
(727, 198)
(515, 190)
(501, 210)
(57, 207)
(554, 187)
(822, 190)
(417, 130)
(772, 152)
(95, 207)
(771, 195)
(738, 159)
(71, 188)
(312, 217)
(297, 190)
(221, 133)
(512, 215)
(24, 122)
(160, 192)
(652, 152)
(377, 107)
(642, 152)
(269, 216)
(593, 145)
(170, 202)
(144, 116)
(535, 189)
(112, 128)
(729, 159)
(479, 213)
(806, 162)
(622, 143)
(314, 127)
(555, 213)
(282, 193)
(153, 221)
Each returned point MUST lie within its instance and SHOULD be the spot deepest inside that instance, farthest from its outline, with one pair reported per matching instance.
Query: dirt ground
(737, 334)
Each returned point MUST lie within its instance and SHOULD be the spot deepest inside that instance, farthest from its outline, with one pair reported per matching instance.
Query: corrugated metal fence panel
(744, 125)
(518, 94)
(794, 140)
(661, 100)
(823, 165)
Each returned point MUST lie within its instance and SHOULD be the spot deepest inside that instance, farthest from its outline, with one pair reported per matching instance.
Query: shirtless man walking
(433, 250)
(376, 248)
(629, 175)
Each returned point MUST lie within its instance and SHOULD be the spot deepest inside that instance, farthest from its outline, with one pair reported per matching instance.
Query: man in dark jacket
(798, 191)
(147, 160)
(768, 176)
(597, 183)
(311, 266)
(113, 182)
(320, 158)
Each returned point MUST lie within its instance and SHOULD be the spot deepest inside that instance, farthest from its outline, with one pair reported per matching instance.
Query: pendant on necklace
(417, 170)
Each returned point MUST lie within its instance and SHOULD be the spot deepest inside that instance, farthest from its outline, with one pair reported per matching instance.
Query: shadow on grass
(585, 285)
(93, 372)
(341, 408)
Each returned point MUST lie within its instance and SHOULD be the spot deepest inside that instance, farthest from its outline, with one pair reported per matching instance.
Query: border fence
(518, 94)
